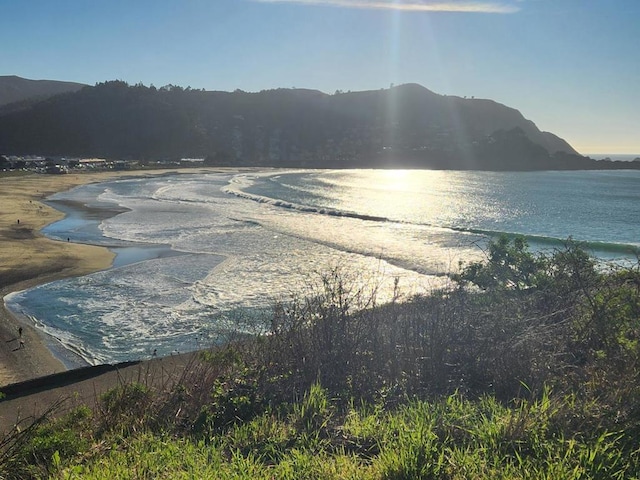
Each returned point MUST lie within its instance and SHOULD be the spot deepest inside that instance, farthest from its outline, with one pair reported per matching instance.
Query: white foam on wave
(245, 251)
(241, 257)
(126, 313)
(178, 303)
(240, 183)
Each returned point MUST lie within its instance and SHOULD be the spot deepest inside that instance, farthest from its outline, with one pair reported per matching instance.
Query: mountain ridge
(17, 89)
(406, 125)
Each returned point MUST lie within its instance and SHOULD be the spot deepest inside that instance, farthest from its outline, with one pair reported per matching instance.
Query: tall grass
(450, 438)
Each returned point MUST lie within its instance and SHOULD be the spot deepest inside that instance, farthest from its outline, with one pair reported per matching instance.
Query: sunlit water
(240, 243)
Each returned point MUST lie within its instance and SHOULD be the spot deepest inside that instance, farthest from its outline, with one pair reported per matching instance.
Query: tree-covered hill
(404, 126)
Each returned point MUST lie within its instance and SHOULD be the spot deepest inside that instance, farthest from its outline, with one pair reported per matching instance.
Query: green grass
(449, 438)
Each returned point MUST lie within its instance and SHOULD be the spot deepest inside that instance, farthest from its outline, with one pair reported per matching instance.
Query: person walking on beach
(20, 332)
(21, 343)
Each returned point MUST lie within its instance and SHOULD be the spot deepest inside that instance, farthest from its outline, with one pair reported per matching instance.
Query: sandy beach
(32, 377)
(28, 258)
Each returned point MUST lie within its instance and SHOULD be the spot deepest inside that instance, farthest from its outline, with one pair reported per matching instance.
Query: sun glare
(395, 180)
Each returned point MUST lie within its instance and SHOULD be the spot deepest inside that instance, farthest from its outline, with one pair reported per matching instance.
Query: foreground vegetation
(525, 367)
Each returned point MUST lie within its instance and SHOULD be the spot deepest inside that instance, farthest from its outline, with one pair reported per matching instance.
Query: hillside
(525, 367)
(16, 89)
(407, 126)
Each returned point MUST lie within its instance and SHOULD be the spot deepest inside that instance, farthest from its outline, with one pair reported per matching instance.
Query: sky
(570, 66)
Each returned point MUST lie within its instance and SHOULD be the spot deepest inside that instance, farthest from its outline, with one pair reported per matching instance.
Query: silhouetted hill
(405, 126)
(16, 89)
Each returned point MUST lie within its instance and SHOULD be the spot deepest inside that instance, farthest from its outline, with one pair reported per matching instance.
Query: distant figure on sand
(20, 332)
(21, 343)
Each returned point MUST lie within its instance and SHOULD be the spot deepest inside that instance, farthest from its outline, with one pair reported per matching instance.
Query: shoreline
(28, 258)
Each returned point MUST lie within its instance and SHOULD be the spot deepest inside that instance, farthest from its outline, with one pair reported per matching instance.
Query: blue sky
(571, 66)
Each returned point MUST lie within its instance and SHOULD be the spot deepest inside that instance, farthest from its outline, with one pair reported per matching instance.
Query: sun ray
(411, 6)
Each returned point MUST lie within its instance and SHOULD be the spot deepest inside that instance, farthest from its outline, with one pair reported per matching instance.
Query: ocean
(203, 258)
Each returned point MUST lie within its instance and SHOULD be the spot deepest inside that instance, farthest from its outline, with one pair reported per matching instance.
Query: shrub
(232, 400)
(126, 408)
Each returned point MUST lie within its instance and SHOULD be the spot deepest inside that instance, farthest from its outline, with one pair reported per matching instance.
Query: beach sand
(28, 368)
(27, 258)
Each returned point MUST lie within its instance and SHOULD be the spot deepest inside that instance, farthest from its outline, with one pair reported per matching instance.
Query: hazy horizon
(613, 156)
